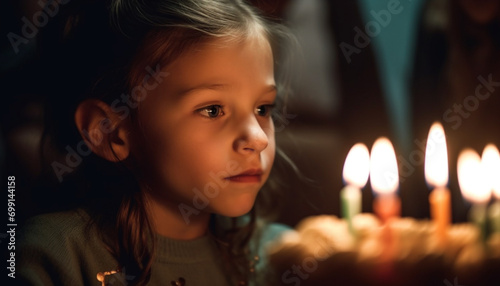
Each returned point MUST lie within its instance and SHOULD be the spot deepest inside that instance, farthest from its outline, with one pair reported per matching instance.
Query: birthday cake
(322, 250)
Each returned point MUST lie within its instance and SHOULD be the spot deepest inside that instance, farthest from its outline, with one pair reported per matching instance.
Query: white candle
(436, 175)
(474, 186)
(491, 163)
(355, 174)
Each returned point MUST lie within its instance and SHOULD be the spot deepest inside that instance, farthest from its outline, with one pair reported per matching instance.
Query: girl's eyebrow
(209, 86)
(270, 88)
(218, 86)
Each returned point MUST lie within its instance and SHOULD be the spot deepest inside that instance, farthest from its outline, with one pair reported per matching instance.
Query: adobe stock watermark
(298, 273)
(372, 29)
(283, 121)
(29, 30)
(459, 112)
(455, 282)
(454, 115)
(210, 191)
(122, 107)
(417, 156)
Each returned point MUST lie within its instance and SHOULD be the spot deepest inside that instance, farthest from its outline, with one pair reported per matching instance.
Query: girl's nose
(253, 139)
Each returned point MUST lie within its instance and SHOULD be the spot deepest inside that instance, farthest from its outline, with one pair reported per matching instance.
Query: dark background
(390, 88)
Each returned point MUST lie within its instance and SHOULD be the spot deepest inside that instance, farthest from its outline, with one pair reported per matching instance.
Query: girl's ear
(103, 130)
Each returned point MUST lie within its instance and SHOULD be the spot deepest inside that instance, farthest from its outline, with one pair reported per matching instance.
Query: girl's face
(208, 128)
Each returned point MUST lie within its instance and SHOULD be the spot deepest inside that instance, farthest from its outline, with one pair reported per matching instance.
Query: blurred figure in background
(456, 80)
(338, 85)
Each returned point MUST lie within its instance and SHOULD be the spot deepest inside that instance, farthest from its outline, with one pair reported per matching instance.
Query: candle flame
(471, 177)
(436, 157)
(357, 166)
(491, 163)
(383, 167)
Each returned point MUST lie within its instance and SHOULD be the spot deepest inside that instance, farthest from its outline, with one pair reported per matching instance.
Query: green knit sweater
(55, 250)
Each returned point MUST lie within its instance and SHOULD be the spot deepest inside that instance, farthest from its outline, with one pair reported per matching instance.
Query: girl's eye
(211, 111)
(264, 110)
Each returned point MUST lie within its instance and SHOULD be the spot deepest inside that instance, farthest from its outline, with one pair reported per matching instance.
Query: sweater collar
(184, 251)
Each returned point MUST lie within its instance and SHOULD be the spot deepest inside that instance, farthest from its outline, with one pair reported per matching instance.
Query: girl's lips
(245, 178)
(249, 176)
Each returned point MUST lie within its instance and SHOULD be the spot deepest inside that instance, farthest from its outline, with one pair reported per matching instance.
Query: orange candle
(436, 175)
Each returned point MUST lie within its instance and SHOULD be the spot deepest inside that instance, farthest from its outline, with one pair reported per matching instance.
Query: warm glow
(491, 164)
(357, 166)
(471, 177)
(436, 157)
(383, 167)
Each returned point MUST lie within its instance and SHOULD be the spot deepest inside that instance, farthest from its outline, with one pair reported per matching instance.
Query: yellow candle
(436, 175)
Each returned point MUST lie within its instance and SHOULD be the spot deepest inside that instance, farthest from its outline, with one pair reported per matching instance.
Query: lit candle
(384, 179)
(355, 174)
(436, 175)
(474, 186)
(491, 162)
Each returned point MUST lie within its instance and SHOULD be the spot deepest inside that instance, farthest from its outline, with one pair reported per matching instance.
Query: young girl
(163, 112)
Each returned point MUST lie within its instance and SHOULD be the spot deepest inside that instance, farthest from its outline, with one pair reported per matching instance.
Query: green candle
(350, 197)
(477, 215)
(474, 186)
(494, 217)
(491, 163)
(355, 173)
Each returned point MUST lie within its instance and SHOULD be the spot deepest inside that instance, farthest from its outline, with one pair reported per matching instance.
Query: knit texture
(58, 249)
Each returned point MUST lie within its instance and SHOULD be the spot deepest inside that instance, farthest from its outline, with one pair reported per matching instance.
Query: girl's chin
(236, 209)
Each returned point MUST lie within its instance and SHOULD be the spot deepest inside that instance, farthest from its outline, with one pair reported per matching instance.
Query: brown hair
(113, 60)
(187, 24)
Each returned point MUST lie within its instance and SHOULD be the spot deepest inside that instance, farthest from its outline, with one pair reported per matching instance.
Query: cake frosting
(322, 251)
